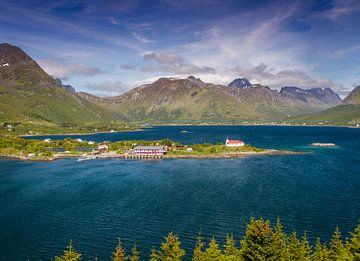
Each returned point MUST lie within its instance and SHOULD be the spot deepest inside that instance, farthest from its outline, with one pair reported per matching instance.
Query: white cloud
(141, 39)
(163, 57)
(107, 88)
(62, 70)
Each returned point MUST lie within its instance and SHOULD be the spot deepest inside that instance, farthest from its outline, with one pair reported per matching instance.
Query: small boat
(85, 158)
(184, 131)
(318, 144)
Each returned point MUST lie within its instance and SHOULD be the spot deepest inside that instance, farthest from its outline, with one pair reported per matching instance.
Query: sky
(108, 47)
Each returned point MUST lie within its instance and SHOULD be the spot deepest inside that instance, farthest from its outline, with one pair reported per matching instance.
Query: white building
(234, 143)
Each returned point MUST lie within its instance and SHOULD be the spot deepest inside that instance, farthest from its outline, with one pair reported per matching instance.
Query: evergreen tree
(171, 248)
(230, 249)
(154, 255)
(336, 246)
(198, 250)
(354, 244)
(305, 248)
(320, 252)
(69, 254)
(293, 249)
(119, 253)
(256, 244)
(134, 253)
(213, 252)
(278, 242)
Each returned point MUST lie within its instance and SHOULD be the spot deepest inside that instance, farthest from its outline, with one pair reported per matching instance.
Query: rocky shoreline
(112, 155)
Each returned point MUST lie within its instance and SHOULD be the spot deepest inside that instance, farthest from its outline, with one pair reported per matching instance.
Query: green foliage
(135, 255)
(256, 244)
(260, 242)
(170, 250)
(354, 244)
(198, 250)
(213, 252)
(119, 253)
(69, 254)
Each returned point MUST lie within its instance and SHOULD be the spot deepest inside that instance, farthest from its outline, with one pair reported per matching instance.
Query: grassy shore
(46, 150)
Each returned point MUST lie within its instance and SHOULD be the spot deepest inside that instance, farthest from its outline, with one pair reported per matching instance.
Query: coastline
(113, 155)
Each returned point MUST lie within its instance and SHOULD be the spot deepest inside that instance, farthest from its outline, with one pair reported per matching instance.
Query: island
(47, 149)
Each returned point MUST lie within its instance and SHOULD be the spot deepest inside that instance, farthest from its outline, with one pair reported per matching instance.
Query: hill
(29, 94)
(192, 101)
(347, 113)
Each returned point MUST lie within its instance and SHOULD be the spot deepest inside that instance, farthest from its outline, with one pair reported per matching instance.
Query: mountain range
(28, 93)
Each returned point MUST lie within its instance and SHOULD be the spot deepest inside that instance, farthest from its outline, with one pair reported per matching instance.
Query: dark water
(44, 205)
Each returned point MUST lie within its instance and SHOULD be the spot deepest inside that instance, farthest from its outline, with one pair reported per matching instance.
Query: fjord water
(45, 204)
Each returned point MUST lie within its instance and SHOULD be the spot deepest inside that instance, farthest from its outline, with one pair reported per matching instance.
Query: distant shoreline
(188, 125)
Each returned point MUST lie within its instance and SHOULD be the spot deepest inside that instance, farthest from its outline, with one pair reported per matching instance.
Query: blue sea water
(45, 204)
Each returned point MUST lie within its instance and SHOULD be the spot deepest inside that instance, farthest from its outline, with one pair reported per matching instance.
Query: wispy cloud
(141, 39)
(63, 70)
(107, 88)
(130, 67)
(163, 57)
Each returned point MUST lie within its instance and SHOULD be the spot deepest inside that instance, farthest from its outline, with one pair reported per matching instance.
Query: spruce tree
(213, 252)
(256, 244)
(134, 253)
(336, 245)
(119, 253)
(278, 242)
(171, 248)
(293, 249)
(69, 254)
(154, 255)
(354, 244)
(230, 250)
(305, 248)
(198, 250)
(320, 252)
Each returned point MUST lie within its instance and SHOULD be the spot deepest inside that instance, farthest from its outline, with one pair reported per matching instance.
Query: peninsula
(47, 149)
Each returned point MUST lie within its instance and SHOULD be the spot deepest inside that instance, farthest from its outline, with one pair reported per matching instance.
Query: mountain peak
(192, 78)
(11, 55)
(241, 83)
(353, 97)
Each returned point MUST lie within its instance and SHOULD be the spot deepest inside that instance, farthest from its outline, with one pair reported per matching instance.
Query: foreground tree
(230, 251)
(278, 243)
(256, 244)
(169, 250)
(135, 256)
(213, 252)
(293, 249)
(305, 249)
(69, 254)
(198, 250)
(320, 252)
(354, 244)
(119, 253)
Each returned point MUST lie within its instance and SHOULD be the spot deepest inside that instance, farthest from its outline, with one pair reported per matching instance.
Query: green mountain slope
(28, 93)
(182, 101)
(347, 113)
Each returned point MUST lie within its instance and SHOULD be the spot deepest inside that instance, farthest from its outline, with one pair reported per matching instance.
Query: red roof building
(234, 143)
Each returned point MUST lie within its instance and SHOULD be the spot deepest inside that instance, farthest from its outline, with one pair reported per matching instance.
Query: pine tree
(230, 249)
(293, 249)
(305, 248)
(171, 248)
(278, 242)
(69, 254)
(256, 244)
(213, 252)
(336, 245)
(119, 253)
(354, 244)
(134, 253)
(198, 250)
(320, 252)
(154, 255)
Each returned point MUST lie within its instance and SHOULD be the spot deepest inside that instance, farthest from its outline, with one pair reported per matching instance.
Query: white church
(234, 143)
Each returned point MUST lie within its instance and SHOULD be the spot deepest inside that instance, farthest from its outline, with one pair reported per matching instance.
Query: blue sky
(108, 47)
